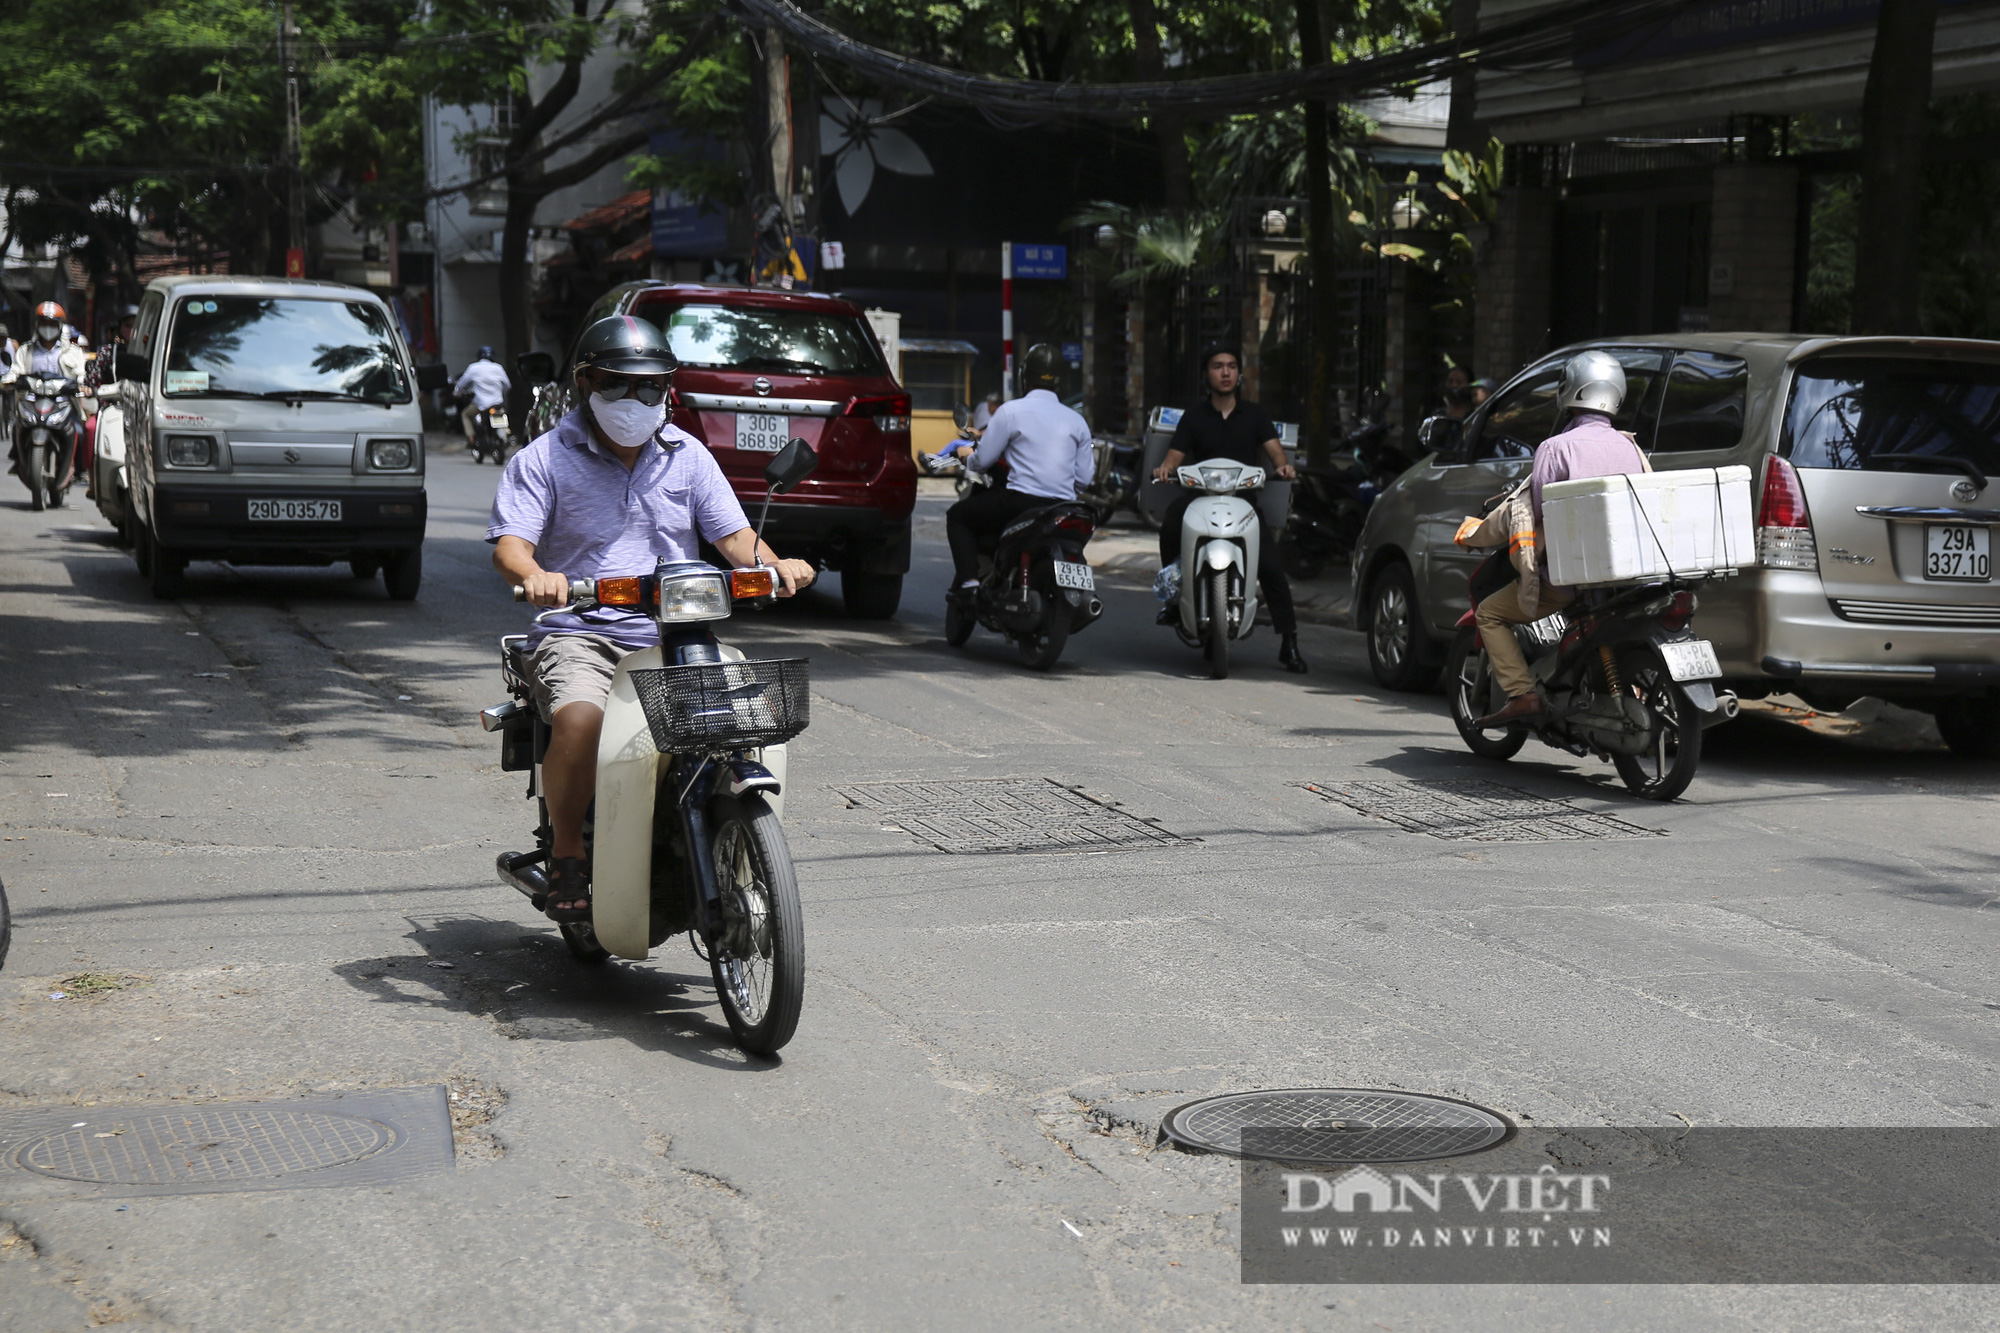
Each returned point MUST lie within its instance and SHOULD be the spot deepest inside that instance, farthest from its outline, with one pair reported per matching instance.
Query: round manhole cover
(200, 1146)
(1332, 1125)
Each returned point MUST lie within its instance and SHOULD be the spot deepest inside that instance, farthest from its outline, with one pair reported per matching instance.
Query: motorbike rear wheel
(1468, 683)
(1217, 647)
(958, 619)
(580, 937)
(32, 472)
(759, 960)
(1667, 768)
(1042, 646)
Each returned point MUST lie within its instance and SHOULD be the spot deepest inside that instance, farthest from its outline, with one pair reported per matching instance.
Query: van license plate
(762, 432)
(1071, 575)
(1693, 660)
(1958, 553)
(295, 511)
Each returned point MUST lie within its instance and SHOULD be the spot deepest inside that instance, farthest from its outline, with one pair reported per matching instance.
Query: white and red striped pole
(1007, 320)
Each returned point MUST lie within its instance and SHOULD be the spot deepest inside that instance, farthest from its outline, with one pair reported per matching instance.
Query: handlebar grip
(520, 593)
(580, 590)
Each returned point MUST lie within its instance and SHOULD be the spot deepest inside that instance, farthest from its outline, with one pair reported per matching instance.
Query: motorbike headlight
(389, 455)
(693, 597)
(190, 450)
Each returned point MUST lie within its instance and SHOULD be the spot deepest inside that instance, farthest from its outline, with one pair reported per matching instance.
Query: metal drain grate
(1005, 815)
(1331, 1125)
(360, 1138)
(1475, 810)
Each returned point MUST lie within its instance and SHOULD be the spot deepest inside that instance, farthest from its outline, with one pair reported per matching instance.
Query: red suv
(760, 367)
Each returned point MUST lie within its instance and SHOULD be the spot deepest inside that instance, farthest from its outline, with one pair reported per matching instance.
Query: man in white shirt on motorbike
(486, 380)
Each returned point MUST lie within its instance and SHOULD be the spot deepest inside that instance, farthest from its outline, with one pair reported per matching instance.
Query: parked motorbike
(47, 427)
(1221, 536)
(1115, 479)
(686, 832)
(489, 434)
(1036, 588)
(1330, 504)
(1622, 677)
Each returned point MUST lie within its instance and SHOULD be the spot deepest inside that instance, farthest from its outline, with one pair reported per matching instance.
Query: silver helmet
(1592, 381)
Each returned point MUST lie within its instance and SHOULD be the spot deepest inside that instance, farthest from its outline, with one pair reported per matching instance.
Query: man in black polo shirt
(1224, 426)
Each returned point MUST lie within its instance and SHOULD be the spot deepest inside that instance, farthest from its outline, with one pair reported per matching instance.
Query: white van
(270, 421)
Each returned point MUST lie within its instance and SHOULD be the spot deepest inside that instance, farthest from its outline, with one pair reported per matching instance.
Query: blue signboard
(1041, 261)
(1073, 353)
(686, 228)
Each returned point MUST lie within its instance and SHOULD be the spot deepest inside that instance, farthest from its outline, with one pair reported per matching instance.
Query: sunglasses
(646, 391)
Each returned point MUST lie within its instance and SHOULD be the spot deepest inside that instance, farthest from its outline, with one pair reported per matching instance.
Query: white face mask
(628, 422)
(49, 332)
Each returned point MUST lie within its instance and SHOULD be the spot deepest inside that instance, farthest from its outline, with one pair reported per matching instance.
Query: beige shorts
(572, 668)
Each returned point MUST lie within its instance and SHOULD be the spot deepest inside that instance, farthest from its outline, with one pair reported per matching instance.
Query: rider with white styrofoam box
(1621, 529)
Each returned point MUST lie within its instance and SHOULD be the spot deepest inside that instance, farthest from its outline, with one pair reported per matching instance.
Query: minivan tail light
(1784, 528)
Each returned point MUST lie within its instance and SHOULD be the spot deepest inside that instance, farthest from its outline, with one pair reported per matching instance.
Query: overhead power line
(1548, 36)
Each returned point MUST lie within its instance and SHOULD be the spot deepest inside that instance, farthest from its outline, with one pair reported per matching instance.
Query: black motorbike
(1330, 504)
(489, 434)
(1036, 588)
(46, 432)
(1622, 677)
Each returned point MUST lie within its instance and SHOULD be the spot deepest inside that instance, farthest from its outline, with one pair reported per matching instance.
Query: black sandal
(569, 882)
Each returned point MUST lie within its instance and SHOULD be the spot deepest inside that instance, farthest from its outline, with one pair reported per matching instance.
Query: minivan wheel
(1399, 652)
(402, 572)
(1971, 727)
(162, 566)
(871, 596)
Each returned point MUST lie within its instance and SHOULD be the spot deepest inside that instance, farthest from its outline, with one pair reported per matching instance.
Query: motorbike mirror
(132, 366)
(793, 464)
(961, 415)
(536, 367)
(1441, 435)
(433, 376)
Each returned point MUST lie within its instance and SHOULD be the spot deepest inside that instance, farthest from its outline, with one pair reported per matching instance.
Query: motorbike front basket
(710, 706)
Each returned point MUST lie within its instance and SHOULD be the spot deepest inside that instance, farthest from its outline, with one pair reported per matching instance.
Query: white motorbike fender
(628, 779)
(1209, 535)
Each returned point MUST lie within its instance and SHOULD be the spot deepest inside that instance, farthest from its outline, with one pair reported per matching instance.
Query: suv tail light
(890, 413)
(1784, 529)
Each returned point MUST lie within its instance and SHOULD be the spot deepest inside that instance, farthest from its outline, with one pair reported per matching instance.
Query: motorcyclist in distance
(487, 383)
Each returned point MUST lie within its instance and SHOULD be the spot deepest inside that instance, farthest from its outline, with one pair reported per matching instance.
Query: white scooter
(1221, 535)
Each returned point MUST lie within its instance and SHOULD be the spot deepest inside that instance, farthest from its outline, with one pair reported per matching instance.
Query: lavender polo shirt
(589, 518)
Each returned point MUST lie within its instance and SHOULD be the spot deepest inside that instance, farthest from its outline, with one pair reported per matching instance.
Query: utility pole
(1894, 111)
(1318, 427)
(295, 204)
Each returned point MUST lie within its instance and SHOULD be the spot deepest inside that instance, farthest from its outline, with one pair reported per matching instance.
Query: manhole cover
(1474, 810)
(1310, 1125)
(1005, 815)
(204, 1145)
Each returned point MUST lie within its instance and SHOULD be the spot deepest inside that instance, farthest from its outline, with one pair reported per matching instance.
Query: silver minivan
(1872, 460)
(271, 421)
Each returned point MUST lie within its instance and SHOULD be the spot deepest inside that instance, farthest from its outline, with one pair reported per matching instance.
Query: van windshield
(1891, 414)
(282, 347)
(789, 342)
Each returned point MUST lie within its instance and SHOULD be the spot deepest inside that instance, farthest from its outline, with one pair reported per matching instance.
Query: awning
(614, 216)
(937, 346)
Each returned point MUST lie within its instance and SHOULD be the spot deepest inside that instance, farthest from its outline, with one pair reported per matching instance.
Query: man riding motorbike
(1047, 450)
(486, 381)
(1591, 390)
(51, 354)
(611, 490)
(1223, 425)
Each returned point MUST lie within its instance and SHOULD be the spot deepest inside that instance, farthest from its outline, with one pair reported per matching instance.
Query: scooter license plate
(1070, 575)
(1693, 660)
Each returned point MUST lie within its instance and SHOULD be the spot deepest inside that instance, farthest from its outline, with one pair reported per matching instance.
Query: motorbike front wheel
(1043, 645)
(758, 960)
(34, 471)
(1218, 624)
(1667, 767)
(1468, 680)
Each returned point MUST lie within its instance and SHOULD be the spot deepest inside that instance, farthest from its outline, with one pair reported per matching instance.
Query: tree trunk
(516, 318)
(1464, 133)
(1175, 174)
(1893, 115)
(1316, 431)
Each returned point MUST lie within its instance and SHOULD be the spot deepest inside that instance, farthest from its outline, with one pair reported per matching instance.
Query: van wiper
(1954, 464)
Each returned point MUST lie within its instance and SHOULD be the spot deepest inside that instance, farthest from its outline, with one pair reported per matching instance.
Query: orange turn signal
(618, 592)
(750, 584)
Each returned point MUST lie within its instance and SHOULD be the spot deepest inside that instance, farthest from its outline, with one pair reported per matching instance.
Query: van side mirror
(793, 464)
(432, 377)
(132, 366)
(1443, 436)
(535, 367)
(961, 414)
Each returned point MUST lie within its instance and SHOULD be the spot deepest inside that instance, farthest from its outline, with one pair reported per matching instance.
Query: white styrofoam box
(1622, 528)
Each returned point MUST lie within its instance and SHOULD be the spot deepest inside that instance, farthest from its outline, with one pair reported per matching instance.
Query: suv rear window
(794, 342)
(1856, 412)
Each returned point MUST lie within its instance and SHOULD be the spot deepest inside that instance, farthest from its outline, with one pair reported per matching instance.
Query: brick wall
(1512, 325)
(1752, 238)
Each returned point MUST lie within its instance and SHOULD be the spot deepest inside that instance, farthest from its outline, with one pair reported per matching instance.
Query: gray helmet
(1042, 368)
(1593, 382)
(625, 346)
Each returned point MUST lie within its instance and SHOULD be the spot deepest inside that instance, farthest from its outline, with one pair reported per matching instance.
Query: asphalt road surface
(265, 817)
